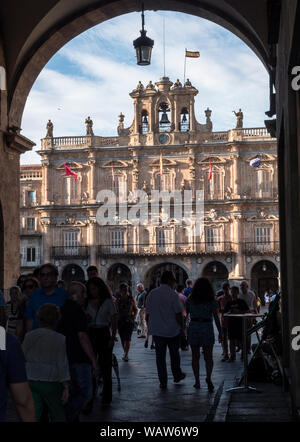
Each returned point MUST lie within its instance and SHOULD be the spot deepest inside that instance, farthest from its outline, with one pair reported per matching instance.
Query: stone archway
(72, 272)
(217, 273)
(117, 274)
(152, 277)
(264, 275)
(65, 23)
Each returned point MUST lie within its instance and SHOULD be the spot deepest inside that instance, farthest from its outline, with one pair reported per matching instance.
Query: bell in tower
(164, 122)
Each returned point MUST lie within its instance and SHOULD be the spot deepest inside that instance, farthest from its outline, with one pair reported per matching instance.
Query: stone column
(93, 241)
(92, 192)
(238, 238)
(192, 115)
(235, 176)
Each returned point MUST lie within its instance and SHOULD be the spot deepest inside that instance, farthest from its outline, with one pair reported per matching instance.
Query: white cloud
(94, 73)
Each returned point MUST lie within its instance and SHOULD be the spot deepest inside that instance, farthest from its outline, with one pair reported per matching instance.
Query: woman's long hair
(202, 292)
(103, 290)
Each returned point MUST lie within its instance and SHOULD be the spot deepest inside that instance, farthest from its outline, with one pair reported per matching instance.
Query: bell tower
(164, 113)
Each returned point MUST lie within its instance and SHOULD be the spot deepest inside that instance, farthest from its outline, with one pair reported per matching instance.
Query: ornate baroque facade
(165, 148)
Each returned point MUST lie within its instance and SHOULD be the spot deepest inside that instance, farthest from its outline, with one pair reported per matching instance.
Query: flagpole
(184, 67)
(164, 43)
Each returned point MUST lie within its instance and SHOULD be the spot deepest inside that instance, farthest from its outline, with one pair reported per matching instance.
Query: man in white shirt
(165, 322)
(248, 296)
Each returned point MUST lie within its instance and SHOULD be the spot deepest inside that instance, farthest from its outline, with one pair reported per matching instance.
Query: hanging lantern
(143, 45)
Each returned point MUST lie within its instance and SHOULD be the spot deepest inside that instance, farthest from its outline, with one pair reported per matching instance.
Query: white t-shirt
(162, 304)
(250, 299)
(102, 317)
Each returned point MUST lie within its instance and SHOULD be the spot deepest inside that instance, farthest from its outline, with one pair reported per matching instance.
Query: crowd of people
(59, 340)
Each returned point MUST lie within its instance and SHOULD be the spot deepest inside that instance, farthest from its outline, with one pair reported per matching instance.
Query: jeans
(81, 390)
(161, 344)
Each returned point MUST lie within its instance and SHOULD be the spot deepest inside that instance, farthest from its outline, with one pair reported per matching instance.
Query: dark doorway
(153, 276)
(264, 276)
(72, 272)
(117, 274)
(217, 273)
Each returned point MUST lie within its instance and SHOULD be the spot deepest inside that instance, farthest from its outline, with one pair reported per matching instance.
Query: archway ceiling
(32, 32)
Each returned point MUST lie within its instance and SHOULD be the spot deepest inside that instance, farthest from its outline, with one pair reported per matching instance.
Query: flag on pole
(161, 164)
(192, 54)
(112, 171)
(210, 170)
(70, 172)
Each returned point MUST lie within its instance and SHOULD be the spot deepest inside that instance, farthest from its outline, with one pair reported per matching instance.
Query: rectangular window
(31, 196)
(263, 184)
(263, 235)
(30, 223)
(117, 241)
(164, 240)
(214, 186)
(71, 243)
(30, 254)
(213, 239)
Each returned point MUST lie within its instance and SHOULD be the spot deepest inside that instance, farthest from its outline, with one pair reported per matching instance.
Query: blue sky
(94, 73)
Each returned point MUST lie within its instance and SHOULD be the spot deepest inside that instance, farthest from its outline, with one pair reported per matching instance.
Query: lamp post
(143, 45)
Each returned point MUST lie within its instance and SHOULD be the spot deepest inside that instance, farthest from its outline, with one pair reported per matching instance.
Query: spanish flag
(192, 54)
(161, 164)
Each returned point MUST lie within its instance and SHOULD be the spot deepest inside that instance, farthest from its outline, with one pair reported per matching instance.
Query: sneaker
(180, 378)
(225, 358)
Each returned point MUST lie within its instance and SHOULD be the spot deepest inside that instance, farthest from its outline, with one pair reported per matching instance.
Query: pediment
(73, 165)
(166, 162)
(263, 157)
(115, 164)
(214, 160)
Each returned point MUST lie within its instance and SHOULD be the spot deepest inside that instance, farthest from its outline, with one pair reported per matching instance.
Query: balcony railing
(25, 263)
(197, 248)
(266, 248)
(67, 252)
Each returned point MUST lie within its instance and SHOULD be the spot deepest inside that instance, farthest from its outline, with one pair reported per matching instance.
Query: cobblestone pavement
(141, 399)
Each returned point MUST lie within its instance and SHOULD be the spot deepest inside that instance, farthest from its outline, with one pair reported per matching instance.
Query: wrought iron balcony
(67, 252)
(197, 248)
(265, 248)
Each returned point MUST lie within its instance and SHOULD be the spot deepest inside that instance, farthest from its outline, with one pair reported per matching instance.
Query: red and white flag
(210, 170)
(70, 172)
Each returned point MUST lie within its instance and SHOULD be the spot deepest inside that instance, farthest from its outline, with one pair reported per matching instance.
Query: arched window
(163, 118)
(184, 124)
(145, 122)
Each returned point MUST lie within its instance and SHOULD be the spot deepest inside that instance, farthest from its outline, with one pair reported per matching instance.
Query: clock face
(163, 138)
